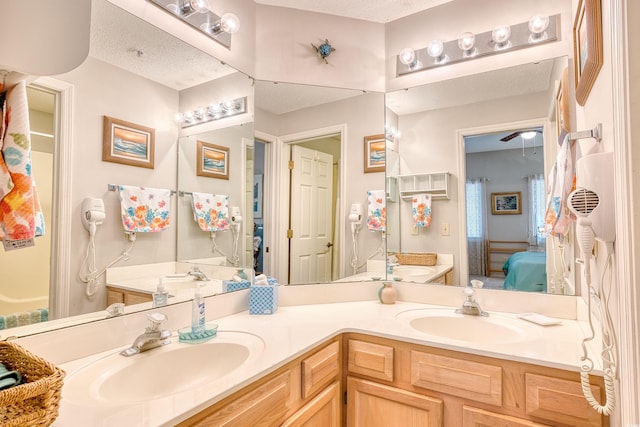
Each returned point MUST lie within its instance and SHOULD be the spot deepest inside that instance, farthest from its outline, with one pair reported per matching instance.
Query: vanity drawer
(372, 360)
(265, 405)
(463, 378)
(320, 369)
(560, 400)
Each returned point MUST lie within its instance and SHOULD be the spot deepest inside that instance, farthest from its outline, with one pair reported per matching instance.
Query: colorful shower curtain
(21, 216)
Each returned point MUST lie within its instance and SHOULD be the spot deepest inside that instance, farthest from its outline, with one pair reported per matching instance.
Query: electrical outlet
(444, 229)
(415, 231)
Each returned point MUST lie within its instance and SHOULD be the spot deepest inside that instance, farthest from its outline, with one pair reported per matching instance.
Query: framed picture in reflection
(506, 203)
(563, 117)
(212, 160)
(127, 143)
(374, 153)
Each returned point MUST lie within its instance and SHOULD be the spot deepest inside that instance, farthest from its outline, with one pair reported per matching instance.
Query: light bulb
(186, 8)
(178, 118)
(435, 48)
(229, 23)
(500, 35)
(407, 56)
(466, 42)
(528, 134)
(537, 25)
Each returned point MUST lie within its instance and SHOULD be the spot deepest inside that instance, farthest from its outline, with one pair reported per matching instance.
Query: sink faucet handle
(155, 320)
(469, 292)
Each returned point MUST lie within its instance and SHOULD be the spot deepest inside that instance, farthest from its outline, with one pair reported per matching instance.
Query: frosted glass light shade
(435, 48)
(407, 56)
(229, 23)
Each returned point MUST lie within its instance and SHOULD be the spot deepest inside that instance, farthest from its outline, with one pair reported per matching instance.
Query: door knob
(329, 245)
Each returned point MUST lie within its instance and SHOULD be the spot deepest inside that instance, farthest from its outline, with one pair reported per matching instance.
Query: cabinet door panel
(376, 405)
(320, 369)
(560, 400)
(473, 417)
(322, 411)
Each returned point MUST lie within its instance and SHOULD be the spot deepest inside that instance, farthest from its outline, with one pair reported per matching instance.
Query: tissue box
(231, 285)
(263, 299)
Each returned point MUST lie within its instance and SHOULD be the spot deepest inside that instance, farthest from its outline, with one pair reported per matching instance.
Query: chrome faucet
(153, 336)
(199, 275)
(470, 305)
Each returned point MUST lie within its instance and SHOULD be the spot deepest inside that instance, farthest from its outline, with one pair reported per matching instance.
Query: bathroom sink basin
(414, 273)
(161, 372)
(446, 323)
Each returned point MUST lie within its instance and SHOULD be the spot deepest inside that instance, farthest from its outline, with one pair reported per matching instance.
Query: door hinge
(291, 164)
(345, 397)
(289, 234)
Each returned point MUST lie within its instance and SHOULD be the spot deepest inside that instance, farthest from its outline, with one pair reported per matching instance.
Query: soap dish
(186, 335)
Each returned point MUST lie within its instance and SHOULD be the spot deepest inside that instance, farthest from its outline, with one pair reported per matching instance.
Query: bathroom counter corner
(296, 329)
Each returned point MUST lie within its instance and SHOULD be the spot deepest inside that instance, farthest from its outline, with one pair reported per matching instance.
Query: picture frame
(128, 143)
(257, 196)
(509, 203)
(587, 47)
(563, 113)
(212, 160)
(374, 153)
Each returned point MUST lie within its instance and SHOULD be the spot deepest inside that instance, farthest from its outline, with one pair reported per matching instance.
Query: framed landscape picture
(587, 47)
(374, 153)
(127, 143)
(212, 160)
(506, 203)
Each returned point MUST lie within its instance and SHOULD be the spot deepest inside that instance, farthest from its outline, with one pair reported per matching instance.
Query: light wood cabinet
(127, 297)
(377, 405)
(391, 383)
(321, 411)
(305, 392)
(473, 391)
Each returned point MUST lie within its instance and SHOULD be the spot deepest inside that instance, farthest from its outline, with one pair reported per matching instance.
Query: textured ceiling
(126, 41)
(369, 10)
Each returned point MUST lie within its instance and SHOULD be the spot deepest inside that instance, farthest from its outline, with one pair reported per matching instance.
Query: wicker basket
(36, 401)
(409, 258)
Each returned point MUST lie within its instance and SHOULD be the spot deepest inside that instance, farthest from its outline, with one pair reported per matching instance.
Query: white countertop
(295, 329)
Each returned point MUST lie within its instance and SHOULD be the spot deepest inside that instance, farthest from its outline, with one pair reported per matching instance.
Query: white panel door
(311, 222)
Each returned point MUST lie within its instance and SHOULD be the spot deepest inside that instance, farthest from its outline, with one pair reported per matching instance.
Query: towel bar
(114, 187)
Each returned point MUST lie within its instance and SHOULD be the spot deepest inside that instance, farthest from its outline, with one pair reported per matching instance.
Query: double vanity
(416, 362)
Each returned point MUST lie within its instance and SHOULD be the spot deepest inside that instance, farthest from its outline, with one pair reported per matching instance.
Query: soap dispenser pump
(160, 296)
(198, 311)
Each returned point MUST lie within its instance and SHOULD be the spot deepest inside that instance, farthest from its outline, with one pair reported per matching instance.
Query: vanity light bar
(203, 20)
(520, 37)
(215, 111)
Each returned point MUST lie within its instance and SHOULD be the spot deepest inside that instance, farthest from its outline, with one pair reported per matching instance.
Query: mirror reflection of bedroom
(505, 203)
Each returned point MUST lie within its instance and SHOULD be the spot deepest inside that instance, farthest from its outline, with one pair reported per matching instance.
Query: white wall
(284, 52)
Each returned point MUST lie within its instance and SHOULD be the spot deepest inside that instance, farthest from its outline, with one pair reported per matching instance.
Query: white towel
(376, 210)
(421, 210)
(144, 210)
(210, 211)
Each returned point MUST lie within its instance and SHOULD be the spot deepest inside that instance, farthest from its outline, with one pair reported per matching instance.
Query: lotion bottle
(160, 296)
(197, 312)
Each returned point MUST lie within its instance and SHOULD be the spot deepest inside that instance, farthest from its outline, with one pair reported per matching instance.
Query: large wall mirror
(494, 139)
(137, 73)
(310, 145)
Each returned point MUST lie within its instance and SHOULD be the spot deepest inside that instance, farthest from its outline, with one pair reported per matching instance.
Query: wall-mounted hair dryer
(236, 215)
(355, 213)
(93, 214)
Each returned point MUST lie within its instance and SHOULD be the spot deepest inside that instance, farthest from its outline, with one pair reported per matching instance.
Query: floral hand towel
(20, 212)
(421, 210)
(210, 211)
(144, 210)
(376, 210)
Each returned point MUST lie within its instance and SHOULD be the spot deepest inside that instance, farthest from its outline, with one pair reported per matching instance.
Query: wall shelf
(436, 184)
